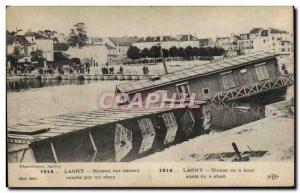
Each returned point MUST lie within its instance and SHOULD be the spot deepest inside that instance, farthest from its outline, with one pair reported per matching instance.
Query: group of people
(108, 70)
(145, 70)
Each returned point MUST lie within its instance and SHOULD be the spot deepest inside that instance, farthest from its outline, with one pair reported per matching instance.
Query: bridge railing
(252, 89)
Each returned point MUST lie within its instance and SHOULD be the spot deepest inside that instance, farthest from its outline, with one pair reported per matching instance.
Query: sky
(150, 21)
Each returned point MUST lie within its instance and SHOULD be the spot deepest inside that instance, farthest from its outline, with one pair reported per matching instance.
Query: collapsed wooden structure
(106, 135)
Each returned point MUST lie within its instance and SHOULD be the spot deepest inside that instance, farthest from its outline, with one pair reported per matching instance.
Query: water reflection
(229, 115)
(23, 84)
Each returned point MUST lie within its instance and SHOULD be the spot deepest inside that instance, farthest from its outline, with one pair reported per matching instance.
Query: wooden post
(94, 146)
(236, 151)
(54, 152)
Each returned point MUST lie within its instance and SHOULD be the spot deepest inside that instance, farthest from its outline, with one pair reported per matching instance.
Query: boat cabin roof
(40, 129)
(195, 72)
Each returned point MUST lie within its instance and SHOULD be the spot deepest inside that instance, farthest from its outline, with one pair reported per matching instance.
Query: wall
(97, 52)
(46, 45)
(214, 82)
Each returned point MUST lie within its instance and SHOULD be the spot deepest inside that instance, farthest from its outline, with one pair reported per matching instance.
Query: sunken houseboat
(103, 135)
(220, 81)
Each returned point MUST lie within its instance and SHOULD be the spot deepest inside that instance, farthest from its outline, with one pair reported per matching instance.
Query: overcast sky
(145, 21)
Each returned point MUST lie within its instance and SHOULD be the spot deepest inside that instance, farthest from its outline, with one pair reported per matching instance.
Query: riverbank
(274, 134)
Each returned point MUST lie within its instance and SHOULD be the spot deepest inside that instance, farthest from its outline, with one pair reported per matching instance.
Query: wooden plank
(54, 152)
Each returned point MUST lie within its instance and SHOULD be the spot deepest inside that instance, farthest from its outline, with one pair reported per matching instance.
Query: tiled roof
(194, 72)
(21, 38)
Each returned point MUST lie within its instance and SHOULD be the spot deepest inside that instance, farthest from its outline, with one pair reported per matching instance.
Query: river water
(51, 99)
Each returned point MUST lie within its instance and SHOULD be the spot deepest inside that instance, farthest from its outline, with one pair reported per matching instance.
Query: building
(245, 44)
(274, 40)
(122, 44)
(224, 80)
(229, 44)
(112, 54)
(165, 42)
(206, 42)
(46, 46)
(43, 43)
(187, 40)
(18, 44)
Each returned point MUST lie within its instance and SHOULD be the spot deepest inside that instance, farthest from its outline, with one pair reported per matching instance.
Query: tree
(37, 56)
(166, 53)
(181, 52)
(188, 52)
(203, 51)
(14, 57)
(77, 35)
(133, 52)
(173, 51)
(155, 52)
(145, 53)
(196, 51)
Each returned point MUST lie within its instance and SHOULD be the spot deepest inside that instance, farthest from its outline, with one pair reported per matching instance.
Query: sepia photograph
(150, 96)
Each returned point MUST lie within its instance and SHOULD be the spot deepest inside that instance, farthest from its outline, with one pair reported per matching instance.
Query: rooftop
(194, 72)
(21, 38)
(123, 41)
(156, 39)
(187, 38)
(49, 127)
(110, 47)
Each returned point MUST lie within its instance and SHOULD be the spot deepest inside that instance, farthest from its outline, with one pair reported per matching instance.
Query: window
(261, 71)
(206, 91)
(123, 141)
(171, 126)
(243, 71)
(227, 80)
(183, 90)
(148, 134)
(283, 49)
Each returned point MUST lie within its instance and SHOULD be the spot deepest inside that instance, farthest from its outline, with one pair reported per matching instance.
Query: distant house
(122, 44)
(165, 42)
(206, 42)
(112, 54)
(245, 44)
(43, 43)
(187, 40)
(275, 40)
(229, 44)
(19, 44)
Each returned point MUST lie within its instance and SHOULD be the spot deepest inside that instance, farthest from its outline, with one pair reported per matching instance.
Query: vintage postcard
(150, 96)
